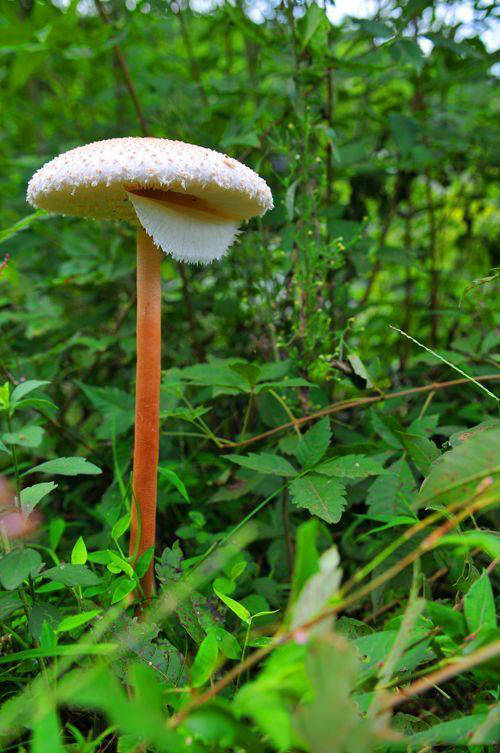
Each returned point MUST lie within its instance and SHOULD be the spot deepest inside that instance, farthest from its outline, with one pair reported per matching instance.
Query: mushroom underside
(184, 226)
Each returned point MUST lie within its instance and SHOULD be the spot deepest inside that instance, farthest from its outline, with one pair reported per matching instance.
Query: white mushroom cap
(188, 198)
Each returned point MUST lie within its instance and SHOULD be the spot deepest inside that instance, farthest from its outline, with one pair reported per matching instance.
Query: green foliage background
(379, 139)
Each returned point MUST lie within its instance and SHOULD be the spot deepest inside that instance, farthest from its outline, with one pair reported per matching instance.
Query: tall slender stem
(147, 401)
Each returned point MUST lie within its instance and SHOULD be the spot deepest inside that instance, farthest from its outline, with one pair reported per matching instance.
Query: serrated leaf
(76, 620)
(314, 443)
(16, 566)
(72, 466)
(324, 497)
(72, 575)
(32, 495)
(116, 407)
(25, 388)
(351, 466)
(264, 462)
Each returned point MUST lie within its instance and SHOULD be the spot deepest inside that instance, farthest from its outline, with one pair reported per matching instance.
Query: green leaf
(456, 474)
(479, 605)
(227, 643)
(116, 407)
(205, 660)
(264, 462)
(9, 602)
(351, 466)
(72, 466)
(455, 732)
(310, 24)
(488, 542)
(444, 616)
(31, 495)
(23, 224)
(25, 388)
(392, 494)
(29, 436)
(3, 448)
(76, 620)
(314, 443)
(239, 610)
(306, 556)
(16, 566)
(422, 451)
(120, 527)
(175, 481)
(56, 530)
(122, 589)
(407, 52)
(47, 737)
(79, 553)
(72, 575)
(324, 497)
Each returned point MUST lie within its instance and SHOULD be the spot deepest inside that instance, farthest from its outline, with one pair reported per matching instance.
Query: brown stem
(147, 402)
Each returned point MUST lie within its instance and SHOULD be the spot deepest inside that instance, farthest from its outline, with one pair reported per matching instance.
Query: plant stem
(147, 402)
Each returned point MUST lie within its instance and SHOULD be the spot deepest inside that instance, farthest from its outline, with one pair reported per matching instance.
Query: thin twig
(357, 402)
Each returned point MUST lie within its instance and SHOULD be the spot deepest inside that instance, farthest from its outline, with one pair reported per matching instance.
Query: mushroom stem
(147, 402)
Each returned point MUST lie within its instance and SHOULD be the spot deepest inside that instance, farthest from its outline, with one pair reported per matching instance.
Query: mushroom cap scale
(94, 180)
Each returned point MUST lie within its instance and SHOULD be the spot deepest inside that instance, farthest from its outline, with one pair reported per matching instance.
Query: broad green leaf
(306, 556)
(459, 437)
(3, 448)
(205, 660)
(458, 731)
(9, 602)
(227, 643)
(324, 497)
(29, 436)
(46, 736)
(479, 605)
(76, 620)
(422, 451)
(314, 443)
(351, 466)
(66, 467)
(175, 481)
(56, 530)
(310, 23)
(121, 526)
(79, 552)
(455, 476)
(25, 388)
(31, 495)
(116, 407)
(392, 494)
(16, 566)
(264, 462)
(122, 589)
(407, 52)
(72, 575)
(239, 610)
(488, 542)
(444, 616)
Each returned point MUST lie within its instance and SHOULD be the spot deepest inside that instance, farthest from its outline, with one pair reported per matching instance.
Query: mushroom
(187, 201)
